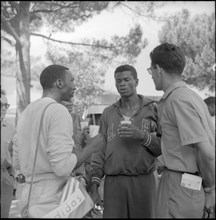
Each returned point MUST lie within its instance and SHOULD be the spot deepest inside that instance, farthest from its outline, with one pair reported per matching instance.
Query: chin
(124, 96)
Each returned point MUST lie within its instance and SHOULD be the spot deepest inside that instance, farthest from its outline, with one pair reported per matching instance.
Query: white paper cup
(93, 130)
(84, 124)
(125, 122)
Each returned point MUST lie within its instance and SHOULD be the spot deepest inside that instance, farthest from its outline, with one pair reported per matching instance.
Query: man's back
(182, 112)
(55, 138)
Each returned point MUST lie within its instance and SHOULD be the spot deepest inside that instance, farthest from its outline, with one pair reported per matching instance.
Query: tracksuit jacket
(124, 156)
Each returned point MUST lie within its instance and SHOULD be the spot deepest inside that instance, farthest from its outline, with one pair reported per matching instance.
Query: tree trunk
(23, 79)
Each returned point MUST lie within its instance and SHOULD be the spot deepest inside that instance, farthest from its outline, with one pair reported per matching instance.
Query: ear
(59, 83)
(137, 82)
(159, 70)
(158, 67)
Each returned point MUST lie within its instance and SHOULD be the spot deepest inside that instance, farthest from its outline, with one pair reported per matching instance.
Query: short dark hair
(125, 68)
(210, 100)
(169, 57)
(50, 74)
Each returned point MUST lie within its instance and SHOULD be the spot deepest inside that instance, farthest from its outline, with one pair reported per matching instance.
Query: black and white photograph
(108, 109)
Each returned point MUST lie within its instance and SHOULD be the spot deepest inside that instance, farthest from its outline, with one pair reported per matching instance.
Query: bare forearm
(206, 163)
(82, 155)
(16, 164)
(95, 144)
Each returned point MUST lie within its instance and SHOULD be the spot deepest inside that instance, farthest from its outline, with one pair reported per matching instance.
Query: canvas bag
(75, 202)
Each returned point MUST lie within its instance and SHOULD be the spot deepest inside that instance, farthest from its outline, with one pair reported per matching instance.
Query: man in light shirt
(7, 172)
(187, 185)
(55, 157)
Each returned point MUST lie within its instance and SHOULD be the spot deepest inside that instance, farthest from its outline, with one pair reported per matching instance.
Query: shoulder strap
(36, 150)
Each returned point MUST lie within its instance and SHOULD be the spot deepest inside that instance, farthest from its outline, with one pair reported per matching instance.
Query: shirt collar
(144, 101)
(173, 87)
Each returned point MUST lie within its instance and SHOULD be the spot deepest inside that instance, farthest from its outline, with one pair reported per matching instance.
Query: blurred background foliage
(90, 58)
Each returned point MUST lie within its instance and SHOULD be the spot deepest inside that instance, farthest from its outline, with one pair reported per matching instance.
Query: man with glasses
(187, 184)
(149, 70)
(7, 171)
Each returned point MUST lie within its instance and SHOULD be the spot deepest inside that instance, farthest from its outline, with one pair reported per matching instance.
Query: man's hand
(209, 208)
(85, 131)
(153, 126)
(93, 191)
(130, 131)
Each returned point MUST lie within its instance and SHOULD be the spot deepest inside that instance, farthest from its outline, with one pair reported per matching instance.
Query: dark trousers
(7, 186)
(129, 196)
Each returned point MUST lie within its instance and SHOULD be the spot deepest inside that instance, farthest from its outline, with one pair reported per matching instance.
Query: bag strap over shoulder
(36, 150)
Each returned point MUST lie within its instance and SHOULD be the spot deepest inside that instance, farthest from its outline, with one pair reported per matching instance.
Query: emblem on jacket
(145, 125)
(110, 133)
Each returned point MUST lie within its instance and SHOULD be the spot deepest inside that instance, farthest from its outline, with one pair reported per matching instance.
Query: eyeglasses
(6, 105)
(149, 70)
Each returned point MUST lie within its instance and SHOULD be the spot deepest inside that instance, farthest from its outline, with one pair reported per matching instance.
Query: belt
(178, 171)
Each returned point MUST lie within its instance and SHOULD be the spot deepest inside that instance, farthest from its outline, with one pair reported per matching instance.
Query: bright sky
(119, 22)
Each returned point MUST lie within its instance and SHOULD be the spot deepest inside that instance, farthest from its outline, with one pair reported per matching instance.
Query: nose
(122, 84)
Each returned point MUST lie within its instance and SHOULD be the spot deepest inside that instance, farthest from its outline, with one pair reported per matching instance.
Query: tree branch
(54, 10)
(150, 16)
(10, 29)
(72, 43)
(8, 40)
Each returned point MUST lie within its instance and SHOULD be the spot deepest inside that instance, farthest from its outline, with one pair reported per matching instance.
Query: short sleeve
(188, 121)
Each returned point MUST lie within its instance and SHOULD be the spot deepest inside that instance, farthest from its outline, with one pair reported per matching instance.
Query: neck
(170, 80)
(51, 94)
(130, 102)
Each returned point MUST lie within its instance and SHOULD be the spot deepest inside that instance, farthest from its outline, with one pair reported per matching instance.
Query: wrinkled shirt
(55, 159)
(184, 120)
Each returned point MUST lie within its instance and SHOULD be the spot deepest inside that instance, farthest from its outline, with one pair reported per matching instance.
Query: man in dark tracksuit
(129, 158)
